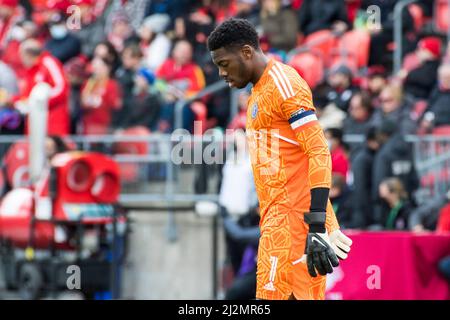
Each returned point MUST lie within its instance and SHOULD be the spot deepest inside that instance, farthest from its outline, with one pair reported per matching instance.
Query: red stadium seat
(322, 42)
(129, 172)
(441, 15)
(356, 44)
(16, 165)
(309, 66)
(442, 131)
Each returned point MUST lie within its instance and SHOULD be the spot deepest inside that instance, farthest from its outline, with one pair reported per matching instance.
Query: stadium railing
(398, 33)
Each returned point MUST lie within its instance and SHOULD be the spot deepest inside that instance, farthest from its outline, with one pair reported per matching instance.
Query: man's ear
(247, 52)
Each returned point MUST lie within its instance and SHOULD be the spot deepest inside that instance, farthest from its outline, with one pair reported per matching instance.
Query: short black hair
(233, 32)
(335, 133)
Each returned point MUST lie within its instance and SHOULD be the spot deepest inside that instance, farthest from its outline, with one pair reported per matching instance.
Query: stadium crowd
(120, 64)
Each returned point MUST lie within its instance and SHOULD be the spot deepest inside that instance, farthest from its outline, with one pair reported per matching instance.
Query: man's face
(444, 76)
(389, 102)
(357, 110)
(26, 59)
(5, 11)
(129, 61)
(182, 53)
(338, 80)
(376, 84)
(234, 65)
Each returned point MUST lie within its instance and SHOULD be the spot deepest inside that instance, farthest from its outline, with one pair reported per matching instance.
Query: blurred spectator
(438, 111)
(62, 45)
(125, 75)
(133, 9)
(376, 81)
(100, 95)
(76, 70)
(10, 53)
(121, 30)
(279, 25)
(340, 198)
(394, 158)
(362, 167)
(383, 34)
(332, 98)
(249, 10)
(180, 71)
(393, 192)
(394, 108)
(41, 66)
(10, 15)
(425, 216)
(105, 50)
(145, 105)
(91, 30)
(242, 238)
(195, 25)
(316, 15)
(339, 158)
(360, 112)
(329, 115)
(219, 109)
(420, 81)
(185, 79)
(53, 146)
(239, 210)
(154, 43)
(341, 88)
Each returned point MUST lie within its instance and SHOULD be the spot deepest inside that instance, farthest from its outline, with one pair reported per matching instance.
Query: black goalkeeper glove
(320, 256)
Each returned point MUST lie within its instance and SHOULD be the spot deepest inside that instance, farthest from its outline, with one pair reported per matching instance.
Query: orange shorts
(279, 271)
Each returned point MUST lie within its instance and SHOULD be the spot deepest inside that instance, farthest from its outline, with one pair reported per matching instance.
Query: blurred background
(102, 199)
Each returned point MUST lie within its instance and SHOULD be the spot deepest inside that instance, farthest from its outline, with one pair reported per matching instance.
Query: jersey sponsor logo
(254, 111)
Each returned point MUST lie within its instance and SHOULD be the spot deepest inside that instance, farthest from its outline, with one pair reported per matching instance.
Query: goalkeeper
(291, 166)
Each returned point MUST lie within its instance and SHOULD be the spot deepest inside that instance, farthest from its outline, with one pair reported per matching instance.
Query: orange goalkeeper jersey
(287, 146)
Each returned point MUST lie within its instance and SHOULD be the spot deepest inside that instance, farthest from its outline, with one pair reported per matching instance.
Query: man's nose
(222, 73)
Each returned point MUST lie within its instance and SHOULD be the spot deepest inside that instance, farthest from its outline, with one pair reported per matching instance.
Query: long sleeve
(300, 113)
(59, 85)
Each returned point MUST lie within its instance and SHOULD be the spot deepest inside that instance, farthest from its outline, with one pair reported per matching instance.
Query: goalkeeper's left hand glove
(320, 255)
(340, 243)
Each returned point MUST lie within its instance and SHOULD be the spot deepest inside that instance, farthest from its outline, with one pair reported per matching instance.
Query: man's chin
(238, 85)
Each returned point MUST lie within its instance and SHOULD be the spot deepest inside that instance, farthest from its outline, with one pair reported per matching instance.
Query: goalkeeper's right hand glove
(320, 256)
(340, 243)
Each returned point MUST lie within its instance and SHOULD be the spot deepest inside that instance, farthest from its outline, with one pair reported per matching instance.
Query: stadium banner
(391, 266)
